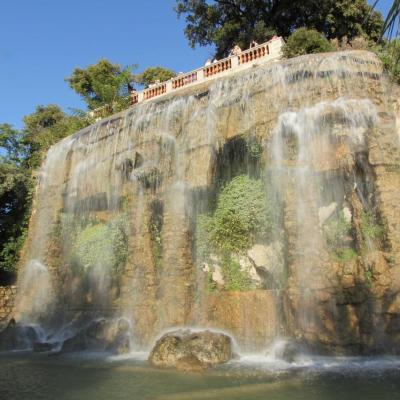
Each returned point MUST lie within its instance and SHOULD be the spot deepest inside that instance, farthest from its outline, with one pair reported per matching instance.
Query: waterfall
(117, 212)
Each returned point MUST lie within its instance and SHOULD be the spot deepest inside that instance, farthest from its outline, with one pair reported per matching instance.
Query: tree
(306, 41)
(151, 74)
(392, 19)
(224, 23)
(44, 127)
(10, 142)
(15, 188)
(103, 85)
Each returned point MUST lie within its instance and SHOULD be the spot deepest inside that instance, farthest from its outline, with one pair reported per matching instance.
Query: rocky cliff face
(116, 228)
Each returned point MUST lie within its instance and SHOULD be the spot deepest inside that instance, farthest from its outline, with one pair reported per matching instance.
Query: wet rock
(247, 266)
(269, 262)
(290, 352)
(190, 364)
(41, 347)
(347, 214)
(324, 213)
(217, 276)
(75, 343)
(182, 348)
(101, 334)
(17, 337)
(216, 273)
(287, 350)
(8, 336)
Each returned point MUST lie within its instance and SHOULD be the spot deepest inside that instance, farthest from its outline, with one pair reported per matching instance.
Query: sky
(42, 41)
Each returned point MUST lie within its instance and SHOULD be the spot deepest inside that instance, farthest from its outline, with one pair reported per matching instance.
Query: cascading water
(129, 220)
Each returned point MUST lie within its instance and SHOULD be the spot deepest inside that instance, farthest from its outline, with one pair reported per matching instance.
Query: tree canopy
(152, 74)
(103, 84)
(44, 127)
(22, 153)
(224, 23)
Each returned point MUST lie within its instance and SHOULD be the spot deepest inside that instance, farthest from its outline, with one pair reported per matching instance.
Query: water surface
(93, 376)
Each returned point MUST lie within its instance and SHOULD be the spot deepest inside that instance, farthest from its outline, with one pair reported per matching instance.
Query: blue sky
(41, 41)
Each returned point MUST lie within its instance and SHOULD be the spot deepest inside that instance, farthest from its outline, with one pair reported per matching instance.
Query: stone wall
(7, 300)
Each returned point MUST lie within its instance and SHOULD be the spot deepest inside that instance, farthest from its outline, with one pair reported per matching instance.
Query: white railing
(264, 52)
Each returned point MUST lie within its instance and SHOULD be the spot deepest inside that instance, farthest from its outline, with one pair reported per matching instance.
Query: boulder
(75, 343)
(17, 337)
(347, 214)
(269, 263)
(187, 350)
(190, 364)
(217, 275)
(247, 266)
(324, 213)
(41, 347)
(101, 334)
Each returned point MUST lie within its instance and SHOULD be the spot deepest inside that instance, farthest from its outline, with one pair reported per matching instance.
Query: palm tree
(391, 24)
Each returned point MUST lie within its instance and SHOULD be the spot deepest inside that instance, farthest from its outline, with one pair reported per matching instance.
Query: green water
(96, 377)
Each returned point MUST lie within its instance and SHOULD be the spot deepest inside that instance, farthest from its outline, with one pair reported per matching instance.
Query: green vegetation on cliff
(97, 243)
(235, 278)
(306, 41)
(243, 215)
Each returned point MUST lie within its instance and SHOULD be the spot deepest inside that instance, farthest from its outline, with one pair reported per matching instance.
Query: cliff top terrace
(262, 53)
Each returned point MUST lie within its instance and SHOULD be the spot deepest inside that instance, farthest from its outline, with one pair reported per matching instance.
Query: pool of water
(94, 376)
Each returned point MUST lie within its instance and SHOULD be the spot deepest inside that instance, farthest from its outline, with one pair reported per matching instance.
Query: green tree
(391, 25)
(10, 142)
(44, 127)
(103, 84)
(224, 23)
(151, 74)
(15, 189)
(306, 41)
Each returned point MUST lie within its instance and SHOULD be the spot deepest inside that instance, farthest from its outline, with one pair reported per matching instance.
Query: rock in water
(17, 337)
(100, 335)
(191, 351)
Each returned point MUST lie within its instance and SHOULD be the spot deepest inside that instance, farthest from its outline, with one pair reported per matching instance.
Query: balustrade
(184, 79)
(154, 91)
(253, 53)
(217, 67)
(270, 50)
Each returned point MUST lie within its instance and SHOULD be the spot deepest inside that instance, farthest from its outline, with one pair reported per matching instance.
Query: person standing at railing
(235, 51)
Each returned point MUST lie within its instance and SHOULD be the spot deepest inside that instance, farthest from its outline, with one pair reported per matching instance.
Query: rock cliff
(116, 227)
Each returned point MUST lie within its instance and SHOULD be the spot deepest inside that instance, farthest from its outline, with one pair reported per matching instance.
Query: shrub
(338, 234)
(306, 41)
(235, 279)
(370, 227)
(389, 54)
(101, 244)
(345, 254)
(243, 215)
